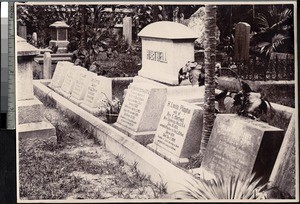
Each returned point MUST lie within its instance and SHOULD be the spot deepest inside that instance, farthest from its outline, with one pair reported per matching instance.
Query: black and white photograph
(156, 101)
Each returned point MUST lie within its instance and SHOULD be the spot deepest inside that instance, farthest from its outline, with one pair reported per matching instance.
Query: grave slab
(240, 145)
(39, 130)
(141, 110)
(60, 72)
(96, 88)
(69, 81)
(179, 131)
(80, 86)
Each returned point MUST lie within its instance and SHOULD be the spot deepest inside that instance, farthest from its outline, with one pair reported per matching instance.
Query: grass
(76, 167)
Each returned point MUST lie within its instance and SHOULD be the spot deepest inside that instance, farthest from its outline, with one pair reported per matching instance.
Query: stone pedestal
(31, 122)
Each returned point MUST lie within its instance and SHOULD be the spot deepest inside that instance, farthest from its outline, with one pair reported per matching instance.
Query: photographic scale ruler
(11, 111)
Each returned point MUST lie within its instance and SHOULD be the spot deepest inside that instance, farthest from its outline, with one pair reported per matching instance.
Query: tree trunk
(209, 60)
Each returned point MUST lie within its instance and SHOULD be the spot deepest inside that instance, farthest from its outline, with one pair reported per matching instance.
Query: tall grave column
(242, 41)
(31, 122)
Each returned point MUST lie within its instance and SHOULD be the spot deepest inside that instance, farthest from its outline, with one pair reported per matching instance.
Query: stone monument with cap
(30, 119)
(59, 36)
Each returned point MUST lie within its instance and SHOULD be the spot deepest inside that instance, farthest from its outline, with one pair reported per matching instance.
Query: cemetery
(153, 122)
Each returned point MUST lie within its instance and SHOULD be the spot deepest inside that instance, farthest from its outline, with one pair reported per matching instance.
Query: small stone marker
(240, 145)
(80, 86)
(127, 29)
(161, 45)
(284, 172)
(242, 41)
(179, 131)
(141, 110)
(47, 66)
(94, 93)
(61, 70)
(70, 79)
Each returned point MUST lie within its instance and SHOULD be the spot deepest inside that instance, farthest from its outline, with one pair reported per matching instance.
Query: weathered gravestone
(96, 88)
(141, 111)
(80, 86)
(31, 122)
(179, 131)
(61, 70)
(166, 47)
(240, 146)
(127, 29)
(47, 66)
(70, 79)
(284, 172)
(242, 41)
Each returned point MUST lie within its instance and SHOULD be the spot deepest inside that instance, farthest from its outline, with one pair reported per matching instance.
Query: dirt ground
(76, 167)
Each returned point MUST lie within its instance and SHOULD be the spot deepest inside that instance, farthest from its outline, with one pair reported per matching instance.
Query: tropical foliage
(224, 187)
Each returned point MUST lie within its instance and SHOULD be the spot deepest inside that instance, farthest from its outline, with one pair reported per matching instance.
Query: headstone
(284, 172)
(161, 58)
(80, 86)
(141, 110)
(196, 23)
(34, 38)
(22, 31)
(179, 131)
(242, 41)
(61, 70)
(30, 119)
(70, 79)
(240, 145)
(47, 66)
(127, 29)
(96, 88)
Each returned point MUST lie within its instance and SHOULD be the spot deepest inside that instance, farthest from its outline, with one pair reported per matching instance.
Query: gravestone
(30, 120)
(59, 36)
(161, 55)
(34, 38)
(284, 172)
(179, 131)
(242, 41)
(141, 111)
(240, 145)
(47, 66)
(127, 29)
(69, 81)
(60, 72)
(80, 86)
(96, 88)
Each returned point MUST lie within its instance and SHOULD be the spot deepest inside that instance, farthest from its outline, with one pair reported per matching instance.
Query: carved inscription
(133, 106)
(91, 97)
(68, 82)
(156, 56)
(172, 128)
(79, 87)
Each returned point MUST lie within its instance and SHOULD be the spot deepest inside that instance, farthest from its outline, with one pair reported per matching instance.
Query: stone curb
(149, 163)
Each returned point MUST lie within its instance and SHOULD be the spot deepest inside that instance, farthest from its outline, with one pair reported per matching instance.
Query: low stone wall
(270, 90)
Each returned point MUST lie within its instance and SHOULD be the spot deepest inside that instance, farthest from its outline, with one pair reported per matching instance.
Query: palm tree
(209, 60)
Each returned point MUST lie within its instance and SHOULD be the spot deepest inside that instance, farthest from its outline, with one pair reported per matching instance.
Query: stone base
(93, 111)
(30, 111)
(63, 93)
(164, 78)
(202, 174)
(62, 45)
(39, 130)
(167, 155)
(75, 100)
(143, 138)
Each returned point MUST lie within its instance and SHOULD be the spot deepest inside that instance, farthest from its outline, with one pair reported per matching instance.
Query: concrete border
(149, 163)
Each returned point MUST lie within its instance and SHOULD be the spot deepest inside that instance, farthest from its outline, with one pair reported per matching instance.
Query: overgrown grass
(48, 170)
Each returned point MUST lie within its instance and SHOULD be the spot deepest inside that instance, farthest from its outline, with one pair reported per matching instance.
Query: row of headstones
(237, 145)
(82, 87)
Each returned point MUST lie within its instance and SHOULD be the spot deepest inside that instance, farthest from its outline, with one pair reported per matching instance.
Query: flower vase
(111, 117)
